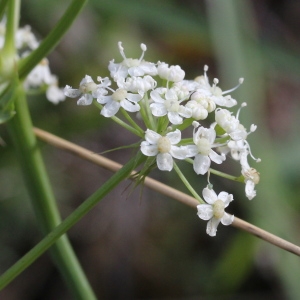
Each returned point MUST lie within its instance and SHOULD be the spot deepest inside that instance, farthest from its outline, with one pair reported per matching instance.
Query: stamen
(252, 156)
(216, 81)
(253, 128)
(205, 70)
(244, 104)
(144, 49)
(241, 80)
(121, 49)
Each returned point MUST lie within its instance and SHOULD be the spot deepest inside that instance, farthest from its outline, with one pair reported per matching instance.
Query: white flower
(172, 73)
(139, 85)
(214, 92)
(202, 150)
(167, 102)
(40, 75)
(214, 210)
(55, 94)
(119, 98)
(130, 66)
(251, 176)
(163, 147)
(25, 38)
(230, 124)
(87, 90)
(201, 104)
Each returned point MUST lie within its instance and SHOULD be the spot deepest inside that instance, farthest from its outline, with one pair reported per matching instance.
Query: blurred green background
(143, 245)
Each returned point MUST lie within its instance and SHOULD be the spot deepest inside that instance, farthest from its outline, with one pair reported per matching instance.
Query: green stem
(122, 123)
(53, 38)
(37, 181)
(227, 176)
(71, 220)
(132, 122)
(8, 52)
(187, 184)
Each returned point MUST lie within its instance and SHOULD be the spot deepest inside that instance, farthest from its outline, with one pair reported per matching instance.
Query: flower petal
(209, 195)
(179, 152)
(148, 150)
(134, 97)
(211, 228)
(86, 99)
(155, 95)
(225, 197)
(110, 109)
(227, 219)
(249, 189)
(215, 157)
(205, 211)
(192, 150)
(130, 106)
(152, 137)
(72, 93)
(201, 164)
(174, 118)
(164, 161)
(158, 109)
(174, 136)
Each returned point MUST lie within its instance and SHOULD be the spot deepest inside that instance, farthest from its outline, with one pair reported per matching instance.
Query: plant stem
(53, 38)
(43, 201)
(187, 184)
(71, 220)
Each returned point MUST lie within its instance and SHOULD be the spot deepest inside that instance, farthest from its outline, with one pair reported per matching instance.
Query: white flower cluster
(168, 104)
(40, 77)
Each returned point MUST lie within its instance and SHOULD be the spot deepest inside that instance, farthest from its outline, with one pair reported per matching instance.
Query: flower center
(218, 209)
(164, 145)
(131, 62)
(172, 105)
(88, 87)
(203, 146)
(119, 95)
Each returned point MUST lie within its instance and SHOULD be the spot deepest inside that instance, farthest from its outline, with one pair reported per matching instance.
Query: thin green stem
(8, 52)
(131, 121)
(38, 184)
(53, 38)
(227, 176)
(146, 113)
(187, 184)
(71, 220)
(123, 124)
(221, 174)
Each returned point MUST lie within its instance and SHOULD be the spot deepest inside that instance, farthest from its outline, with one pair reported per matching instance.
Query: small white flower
(163, 147)
(40, 75)
(119, 98)
(172, 73)
(139, 85)
(130, 66)
(230, 124)
(251, 176)
(167, 102)
(201, 104)
(55, 94)
(214, 92)
(26, 39)
(214, 211)
(87, 90)
(202, 150)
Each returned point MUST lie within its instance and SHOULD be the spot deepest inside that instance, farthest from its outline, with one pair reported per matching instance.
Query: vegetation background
(142, 245)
